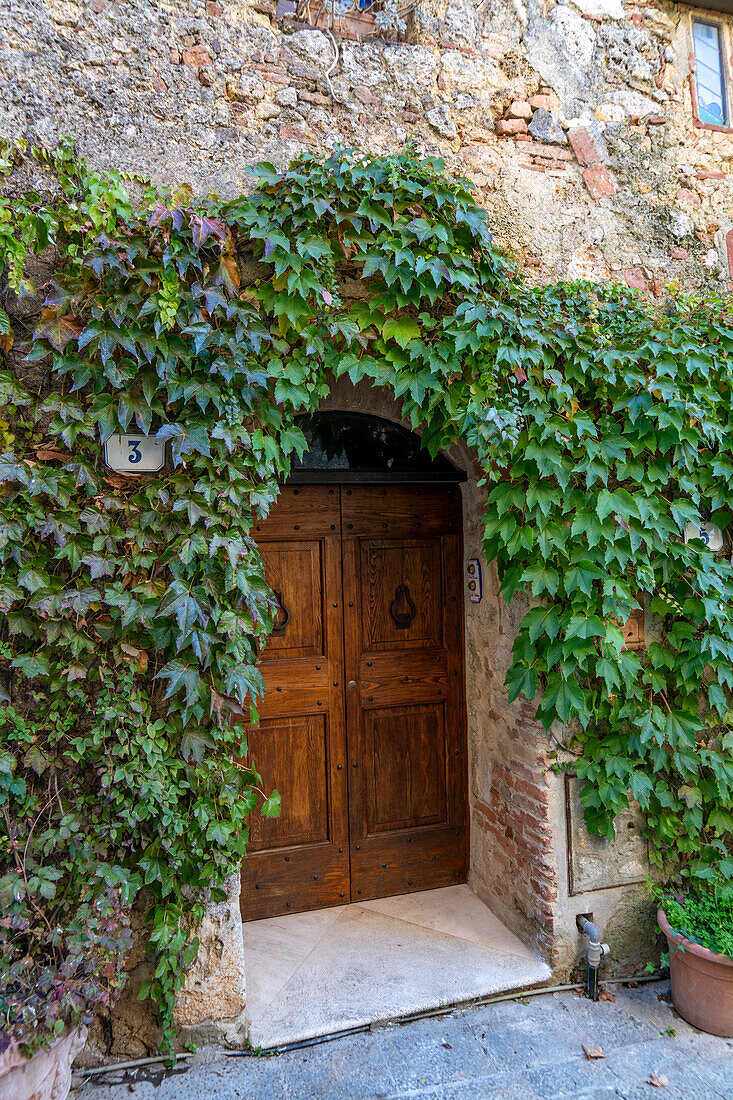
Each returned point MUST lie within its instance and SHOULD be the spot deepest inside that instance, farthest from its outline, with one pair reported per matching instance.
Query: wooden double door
(362, 729)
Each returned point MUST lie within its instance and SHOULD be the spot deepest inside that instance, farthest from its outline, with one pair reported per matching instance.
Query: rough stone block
(214, 986)
(610, 112)
(601, 9)
(599, 181)
(286, 97)
(440, 119)
(685, 195)
(509, 126)
(545, 127)
(678, 253)
(541, 102)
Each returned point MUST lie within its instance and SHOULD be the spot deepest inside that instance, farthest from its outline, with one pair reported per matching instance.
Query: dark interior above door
(353, 448)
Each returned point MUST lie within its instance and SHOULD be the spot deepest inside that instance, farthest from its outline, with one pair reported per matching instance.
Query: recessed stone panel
(598, 864)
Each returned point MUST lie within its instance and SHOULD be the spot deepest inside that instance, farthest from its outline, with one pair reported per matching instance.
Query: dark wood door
(301, 859)
(363, 725)
(405, 714)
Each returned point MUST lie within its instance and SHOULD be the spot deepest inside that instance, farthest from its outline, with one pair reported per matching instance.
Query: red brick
(587, 150)
(541, 101)
(634, 278)
(599, 181)
(315, 97)
(213, 9)
(519, 109)
(711, 175)
(657, 121)
(547, 152)
(262, 68)
(544, 891)
(677, 253)
(509, 126)
(196, 56)
(685, 195)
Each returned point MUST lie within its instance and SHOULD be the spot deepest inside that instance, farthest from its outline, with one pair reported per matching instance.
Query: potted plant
(699, 929)
(63, 918)
(52, 979)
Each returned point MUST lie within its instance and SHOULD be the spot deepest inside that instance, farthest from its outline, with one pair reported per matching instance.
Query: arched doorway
(362, 729)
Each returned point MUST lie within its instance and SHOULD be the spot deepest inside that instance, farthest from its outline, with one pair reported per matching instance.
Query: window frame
(721, 28)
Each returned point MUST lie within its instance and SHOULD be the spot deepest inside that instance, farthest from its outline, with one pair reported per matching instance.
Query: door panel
(402, 568)
(294, 572)
(303, 785)
(405, 757)
(300, 860)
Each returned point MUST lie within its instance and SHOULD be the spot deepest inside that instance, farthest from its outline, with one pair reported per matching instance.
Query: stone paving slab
(318, 973)
(514, 1050)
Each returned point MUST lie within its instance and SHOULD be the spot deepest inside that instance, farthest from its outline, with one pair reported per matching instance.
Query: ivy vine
(135, 608)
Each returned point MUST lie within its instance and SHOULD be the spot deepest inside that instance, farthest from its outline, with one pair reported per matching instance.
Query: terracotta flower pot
(44, 1076)
(702, 983)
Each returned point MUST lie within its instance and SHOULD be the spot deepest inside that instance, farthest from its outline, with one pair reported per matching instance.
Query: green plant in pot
(698, 925)
(62, 939)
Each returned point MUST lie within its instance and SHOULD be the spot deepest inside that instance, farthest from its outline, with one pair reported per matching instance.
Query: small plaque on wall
(134, 454)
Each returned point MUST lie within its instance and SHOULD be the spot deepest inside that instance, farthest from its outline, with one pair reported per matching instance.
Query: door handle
(351, 685)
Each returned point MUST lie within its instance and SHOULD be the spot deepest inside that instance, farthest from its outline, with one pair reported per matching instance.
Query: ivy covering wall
(134, 608)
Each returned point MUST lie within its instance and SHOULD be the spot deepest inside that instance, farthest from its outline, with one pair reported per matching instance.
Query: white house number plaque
(134, 454)
(709, 533)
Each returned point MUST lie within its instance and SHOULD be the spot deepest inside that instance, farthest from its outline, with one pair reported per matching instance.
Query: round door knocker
(282, 615)
(403, 610)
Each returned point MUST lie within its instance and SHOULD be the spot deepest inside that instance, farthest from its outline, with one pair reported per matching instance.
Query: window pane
(709, 74)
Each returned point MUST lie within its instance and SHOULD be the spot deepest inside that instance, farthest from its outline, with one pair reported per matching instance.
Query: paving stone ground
(509, 1051)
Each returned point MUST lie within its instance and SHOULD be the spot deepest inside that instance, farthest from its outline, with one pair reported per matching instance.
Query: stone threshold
(315, 974)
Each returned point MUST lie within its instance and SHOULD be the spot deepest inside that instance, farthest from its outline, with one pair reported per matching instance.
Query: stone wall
(575, 123)
(574, 120)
